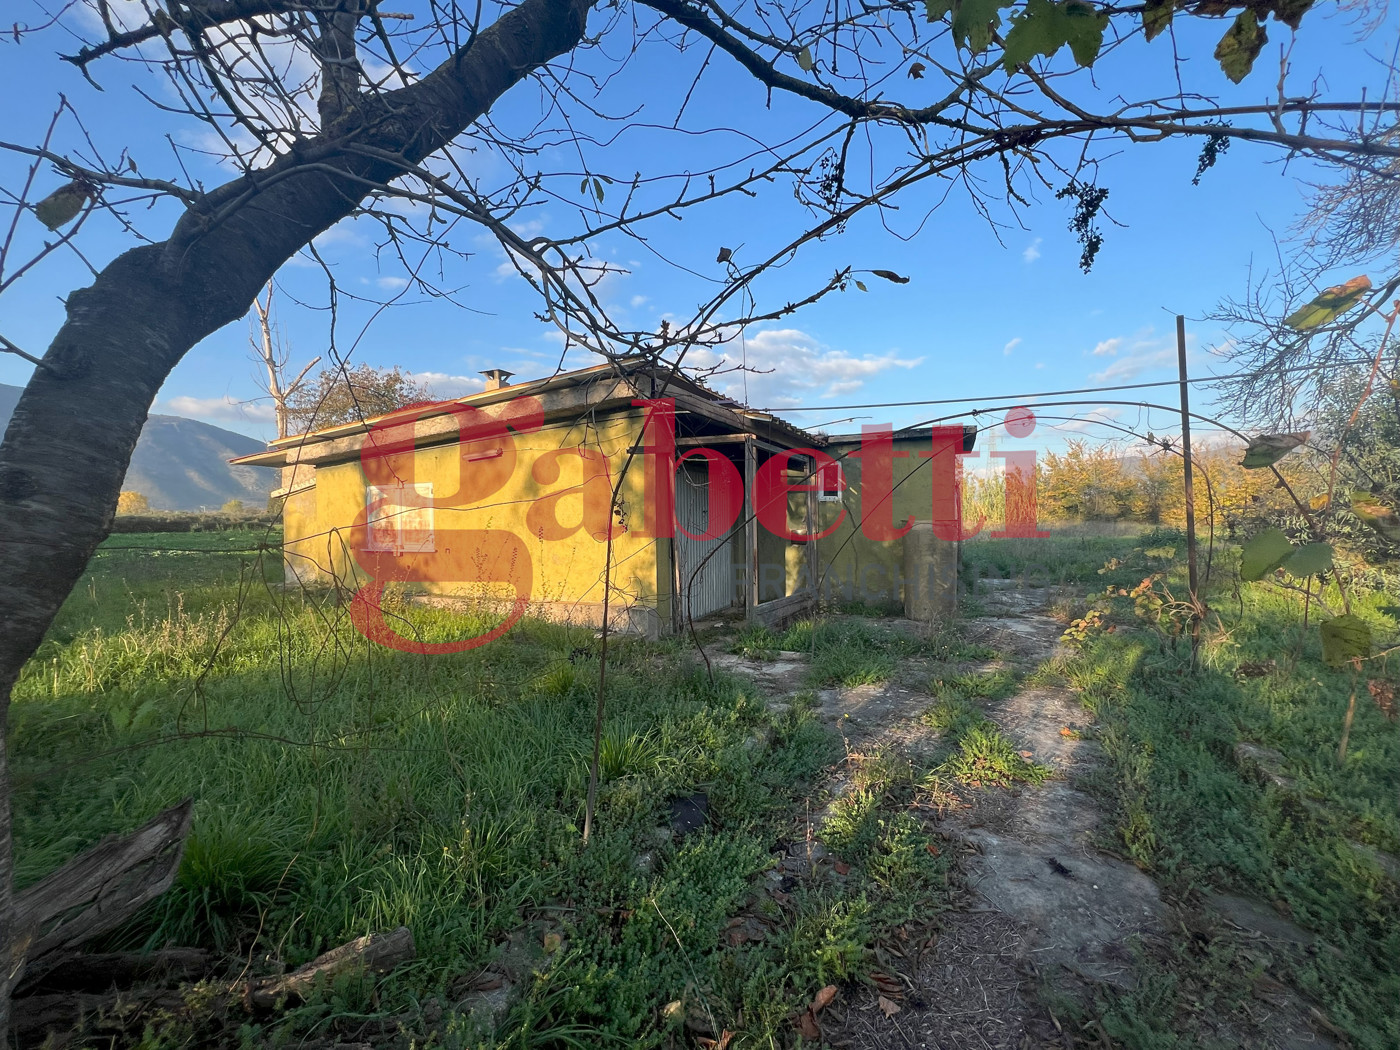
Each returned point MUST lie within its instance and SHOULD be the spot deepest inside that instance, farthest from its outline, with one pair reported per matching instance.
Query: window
(830, 484)
(400, 517)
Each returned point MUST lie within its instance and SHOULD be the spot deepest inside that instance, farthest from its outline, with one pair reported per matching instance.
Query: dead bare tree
(328, 109)
(274, 358)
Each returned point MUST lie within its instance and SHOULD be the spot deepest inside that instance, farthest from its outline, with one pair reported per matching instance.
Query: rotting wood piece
(377, 953)
(102, 972)
(97, 891)
(64, 1017)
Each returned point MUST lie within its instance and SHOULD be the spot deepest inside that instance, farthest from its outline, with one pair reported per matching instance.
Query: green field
(341, 789)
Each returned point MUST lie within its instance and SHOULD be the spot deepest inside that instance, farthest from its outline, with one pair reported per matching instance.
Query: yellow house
(505, 497)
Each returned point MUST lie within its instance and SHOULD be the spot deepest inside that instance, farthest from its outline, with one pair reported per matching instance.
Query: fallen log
(376, 953)
(97, 891)
(64, 1017)
(103, 972)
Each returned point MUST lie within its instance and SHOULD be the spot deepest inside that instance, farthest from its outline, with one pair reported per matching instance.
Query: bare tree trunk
(274, 359)
(70, 440)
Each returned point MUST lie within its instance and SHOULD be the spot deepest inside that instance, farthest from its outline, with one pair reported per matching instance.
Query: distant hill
(183, 464)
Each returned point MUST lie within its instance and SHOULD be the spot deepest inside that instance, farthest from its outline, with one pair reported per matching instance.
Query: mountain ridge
(183, 464)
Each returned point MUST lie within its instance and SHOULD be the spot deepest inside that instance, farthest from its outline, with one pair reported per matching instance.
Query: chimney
(496, 378)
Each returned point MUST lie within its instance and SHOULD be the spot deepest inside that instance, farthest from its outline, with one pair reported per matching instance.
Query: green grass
(341, 789)
(1187, 812)
(878, 828)
(851, 651)
(1068, 556)
(976, 752)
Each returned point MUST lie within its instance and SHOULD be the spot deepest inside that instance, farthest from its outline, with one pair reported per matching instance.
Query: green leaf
(934, 10)
(1382, 519)
(598, 190)
(1240, 46)
(1345, 638)
(1156, 16)
(1034, 31)
(861, 286)
(1267, 449)
(1085, 31)
(804, 59)
(1309, 560)
(1291, 12)
(1330, 304)
(890, 275)
(974, 22)
(1263, 554)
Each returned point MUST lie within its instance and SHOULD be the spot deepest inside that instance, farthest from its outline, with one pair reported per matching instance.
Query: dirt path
(1039, 895)
(1044, 908)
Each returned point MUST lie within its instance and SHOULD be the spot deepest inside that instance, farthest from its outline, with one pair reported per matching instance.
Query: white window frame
(831, 497)
(406, 508)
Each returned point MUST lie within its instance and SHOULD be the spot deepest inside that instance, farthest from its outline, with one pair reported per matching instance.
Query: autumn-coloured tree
(351, 395)
(129, 502)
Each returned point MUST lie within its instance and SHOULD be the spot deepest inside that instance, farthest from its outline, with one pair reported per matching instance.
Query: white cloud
(1144, 352)
(392, 284)
(638, 300)
(790, 367)
(225, 409)
(1108, 346)
(445, 385)
(1032, 252)
(1011, 346)
(1086, 423)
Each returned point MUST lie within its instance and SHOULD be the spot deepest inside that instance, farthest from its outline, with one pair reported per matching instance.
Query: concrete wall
(857, 569)
(565, 574)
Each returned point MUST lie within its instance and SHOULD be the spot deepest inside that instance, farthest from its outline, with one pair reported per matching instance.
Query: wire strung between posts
(1056, 393)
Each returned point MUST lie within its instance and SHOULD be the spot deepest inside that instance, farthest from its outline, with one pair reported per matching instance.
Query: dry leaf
(888, 1007)
(722, 1043)
(1026, 754)
(842, 868)
(63, 204)
(807, 1025)
(552, 941)
(888, 986)
(823, 999)
(1383, 693)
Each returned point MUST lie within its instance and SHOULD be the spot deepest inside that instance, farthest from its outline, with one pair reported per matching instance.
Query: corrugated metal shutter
(712, 588)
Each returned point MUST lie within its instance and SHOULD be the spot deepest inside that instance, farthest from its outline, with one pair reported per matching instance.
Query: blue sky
(985, 312)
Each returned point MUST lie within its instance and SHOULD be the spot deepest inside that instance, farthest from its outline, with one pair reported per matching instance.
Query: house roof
(909, 434)
(608, 386)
